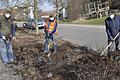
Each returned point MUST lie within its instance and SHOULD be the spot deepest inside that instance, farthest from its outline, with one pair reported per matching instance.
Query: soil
(70, 62)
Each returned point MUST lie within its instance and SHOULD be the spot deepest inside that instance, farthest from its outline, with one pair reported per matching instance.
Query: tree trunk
(36, 15)
(110, 2)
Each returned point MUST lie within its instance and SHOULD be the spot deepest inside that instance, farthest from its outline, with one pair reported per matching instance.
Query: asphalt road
(90, 35)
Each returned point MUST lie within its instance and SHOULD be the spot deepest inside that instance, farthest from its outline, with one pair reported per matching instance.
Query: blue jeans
(6, 51)
(46, 43)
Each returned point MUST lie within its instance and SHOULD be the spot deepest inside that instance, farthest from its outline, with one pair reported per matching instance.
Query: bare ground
(71, 62)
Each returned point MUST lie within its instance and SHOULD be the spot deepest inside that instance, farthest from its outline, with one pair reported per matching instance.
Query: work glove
(3, 37)
(111, 39)
(14, 38)
(48, 35)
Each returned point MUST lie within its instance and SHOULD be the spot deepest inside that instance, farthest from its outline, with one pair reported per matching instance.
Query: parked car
(27, 25)
(41, 24)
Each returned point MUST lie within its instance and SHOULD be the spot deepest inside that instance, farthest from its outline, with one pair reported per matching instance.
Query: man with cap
(112, 24)
(50, 29)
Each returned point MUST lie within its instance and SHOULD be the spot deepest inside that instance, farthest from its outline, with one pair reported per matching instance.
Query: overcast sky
(46, 6)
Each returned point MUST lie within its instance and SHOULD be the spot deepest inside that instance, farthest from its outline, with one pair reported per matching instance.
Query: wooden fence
(97, 9)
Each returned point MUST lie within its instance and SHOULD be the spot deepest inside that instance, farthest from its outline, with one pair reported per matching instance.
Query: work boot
(54, 52)
(46, 52)
(108, 54)
(14, 38)
(117, 49)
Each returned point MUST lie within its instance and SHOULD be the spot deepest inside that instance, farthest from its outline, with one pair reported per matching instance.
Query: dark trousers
(116, 43)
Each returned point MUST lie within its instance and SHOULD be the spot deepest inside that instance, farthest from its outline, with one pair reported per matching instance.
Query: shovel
(110, 44)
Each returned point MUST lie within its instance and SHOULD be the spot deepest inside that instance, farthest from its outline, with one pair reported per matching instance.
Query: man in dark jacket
(112, 24)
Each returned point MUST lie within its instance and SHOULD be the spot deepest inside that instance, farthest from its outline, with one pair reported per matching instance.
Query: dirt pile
(71, 62)
(90, 67)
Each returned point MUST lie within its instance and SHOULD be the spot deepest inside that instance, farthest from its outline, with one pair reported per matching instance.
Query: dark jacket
(112, 26)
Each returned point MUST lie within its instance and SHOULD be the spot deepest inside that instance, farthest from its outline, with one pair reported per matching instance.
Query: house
(62, 10)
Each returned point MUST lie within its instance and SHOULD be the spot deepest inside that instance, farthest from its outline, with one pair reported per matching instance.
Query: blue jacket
(112, 26)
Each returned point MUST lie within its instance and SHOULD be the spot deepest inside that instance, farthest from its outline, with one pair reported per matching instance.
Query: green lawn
(97, 21)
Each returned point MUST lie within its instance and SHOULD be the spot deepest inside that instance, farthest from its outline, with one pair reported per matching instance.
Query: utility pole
(36, 15)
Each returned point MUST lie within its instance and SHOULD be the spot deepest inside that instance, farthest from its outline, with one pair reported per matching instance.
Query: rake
(110, 44)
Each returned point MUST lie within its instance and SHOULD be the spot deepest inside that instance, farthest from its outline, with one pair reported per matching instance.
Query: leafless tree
(114, 4)
(76, 9)
(12, 3)
(59, 3)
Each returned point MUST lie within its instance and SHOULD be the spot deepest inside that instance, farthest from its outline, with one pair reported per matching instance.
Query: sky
(46, 6)
(11, 3)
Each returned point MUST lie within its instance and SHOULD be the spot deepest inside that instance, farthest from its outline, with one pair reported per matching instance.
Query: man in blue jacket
(112, 24)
